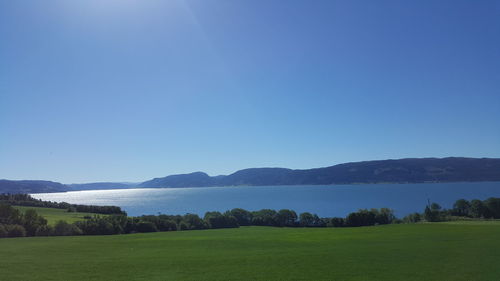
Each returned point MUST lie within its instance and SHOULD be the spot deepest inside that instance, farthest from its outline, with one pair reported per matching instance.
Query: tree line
(27, 200)
(14, 223)
(462, 209)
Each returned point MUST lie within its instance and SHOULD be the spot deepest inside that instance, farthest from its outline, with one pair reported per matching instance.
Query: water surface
(326, 201)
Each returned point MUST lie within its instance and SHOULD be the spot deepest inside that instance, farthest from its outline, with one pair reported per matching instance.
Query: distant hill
(410, 170)
(31, 186)
(185, 180)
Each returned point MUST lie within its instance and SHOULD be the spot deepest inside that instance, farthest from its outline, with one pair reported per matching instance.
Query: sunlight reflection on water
(335, 200)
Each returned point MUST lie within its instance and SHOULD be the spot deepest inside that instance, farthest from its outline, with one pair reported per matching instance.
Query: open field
(53, 215)
(393, 252)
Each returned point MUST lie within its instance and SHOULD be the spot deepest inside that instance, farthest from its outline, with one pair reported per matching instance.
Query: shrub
(167, 225)
(63, 228)
(16, 230)
(146, 226)
(44, 230)
(3, 231)
(361, 218)
(336, 222)
(183, 226)
(412, 218)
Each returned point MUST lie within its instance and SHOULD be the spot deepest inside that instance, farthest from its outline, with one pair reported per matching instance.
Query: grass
(434, 251)
(53, 215)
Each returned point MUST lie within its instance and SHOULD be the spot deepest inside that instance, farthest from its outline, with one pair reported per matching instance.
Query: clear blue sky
(123, 90)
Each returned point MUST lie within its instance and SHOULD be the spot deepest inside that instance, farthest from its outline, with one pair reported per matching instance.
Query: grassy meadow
(53, 215)
(433, 251)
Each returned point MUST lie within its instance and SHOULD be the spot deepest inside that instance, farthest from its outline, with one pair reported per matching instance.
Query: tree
(361, 218)
(384, 215)
(412, 218)
(461, 208)
(63, 228)
(16, 230)
(243, 217)
(32, 221)
(9, 215)
(264, 217)
(3, 231)
(306, 219)
(435, 207)
(146, 226)
(218, 220)
(167, 225)
(193, 221)
(183, 226)
(477, 209)
(319, 222)
(431, 214)
(44, 230)
(336, 222)
(493, 206)
(286, 217)
(214, 219)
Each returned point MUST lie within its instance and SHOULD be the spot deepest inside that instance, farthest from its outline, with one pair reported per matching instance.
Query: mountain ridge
(406, 170)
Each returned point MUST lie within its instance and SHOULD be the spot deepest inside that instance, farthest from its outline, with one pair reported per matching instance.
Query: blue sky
(123, 90)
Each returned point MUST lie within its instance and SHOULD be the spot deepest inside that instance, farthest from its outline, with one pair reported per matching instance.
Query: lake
(326, 201)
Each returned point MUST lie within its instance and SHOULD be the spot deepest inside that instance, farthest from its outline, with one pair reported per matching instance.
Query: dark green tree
(384, 215)
(193, 221)
(412, 218)
(264, 217)
(286, 217)
(336, 222)
(431, 214)
(362, 217)
(493, 206)
(306, 219)
(32, 221)
(3, 231)
(478, 209)
(44, 230)
(243, 217)
(62, 228)
(16, 230)
(461, 207)
(146, 226)
(9, 215)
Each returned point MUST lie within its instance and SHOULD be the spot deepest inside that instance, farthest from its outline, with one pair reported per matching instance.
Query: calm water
(326, 201)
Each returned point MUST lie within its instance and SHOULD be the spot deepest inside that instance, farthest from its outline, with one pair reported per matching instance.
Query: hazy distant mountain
(100, 185)
(31, 186)
(184, 180)
(411, 170)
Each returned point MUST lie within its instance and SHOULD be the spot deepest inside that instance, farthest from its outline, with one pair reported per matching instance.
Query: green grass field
(439, 251)
(53, 215)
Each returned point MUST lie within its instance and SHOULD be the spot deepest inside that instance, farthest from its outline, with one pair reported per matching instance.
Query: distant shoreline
(399, 171)
(294, 185)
